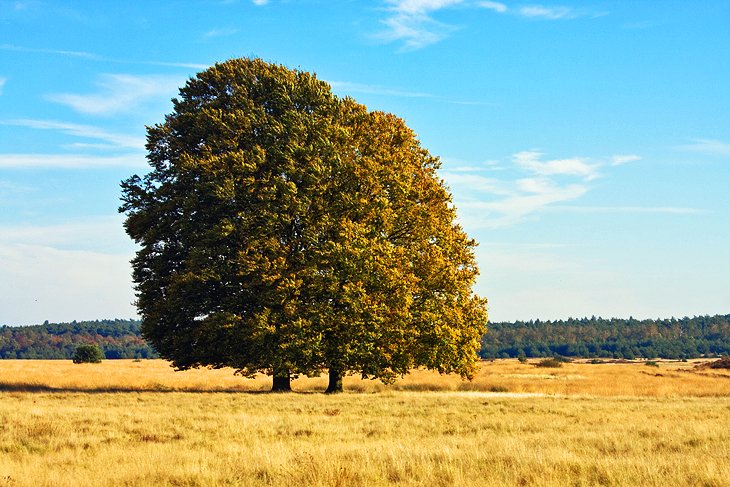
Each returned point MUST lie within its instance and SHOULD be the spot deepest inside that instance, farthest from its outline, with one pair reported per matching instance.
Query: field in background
(582, 424)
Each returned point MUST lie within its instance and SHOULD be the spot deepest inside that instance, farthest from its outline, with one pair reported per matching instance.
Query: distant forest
(586, 337)
(116, 338)
(610, 338)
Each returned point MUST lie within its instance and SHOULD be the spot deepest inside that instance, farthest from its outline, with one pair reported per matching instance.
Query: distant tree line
(116, 338)
(586, 337)
(610, 338)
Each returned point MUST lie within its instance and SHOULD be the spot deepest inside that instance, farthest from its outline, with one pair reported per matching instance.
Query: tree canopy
(285, 230)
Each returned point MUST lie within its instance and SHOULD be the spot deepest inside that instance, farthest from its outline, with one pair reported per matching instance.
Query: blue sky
(586, 144)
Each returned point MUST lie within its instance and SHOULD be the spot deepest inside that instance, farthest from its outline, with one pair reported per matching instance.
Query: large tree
(287, 231)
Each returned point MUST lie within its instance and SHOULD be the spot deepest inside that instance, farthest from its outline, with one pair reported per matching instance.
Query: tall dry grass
(83, 436)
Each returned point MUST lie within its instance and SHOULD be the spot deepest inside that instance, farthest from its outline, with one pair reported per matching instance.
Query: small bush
(651, 363)
(88, 354)
(596, 361)
(549, 362)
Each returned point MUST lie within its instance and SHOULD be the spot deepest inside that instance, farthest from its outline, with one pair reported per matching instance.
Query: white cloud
(496, 6)
(69, 161)
(2, 83)
(575, 166)
(709, 147)
(619, 160)
(547, 13)
(83, 131)
(121, 93)
(260, 2)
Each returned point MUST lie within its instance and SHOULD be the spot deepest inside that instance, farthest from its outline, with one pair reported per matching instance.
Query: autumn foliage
(288, 231)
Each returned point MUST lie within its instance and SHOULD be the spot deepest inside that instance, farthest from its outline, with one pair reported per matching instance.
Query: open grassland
(577, 425)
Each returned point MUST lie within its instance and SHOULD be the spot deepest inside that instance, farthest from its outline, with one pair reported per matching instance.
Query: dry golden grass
(586, 428)
(670, 379)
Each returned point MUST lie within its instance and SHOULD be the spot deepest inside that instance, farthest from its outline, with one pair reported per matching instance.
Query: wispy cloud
(410, 22)
(221, 32)
(113, 140)
(120, 93)
(2, 83)
(68, 161)
(413, 22)
(496, 6)
(711, 147)
(260, 2)
(543, 184)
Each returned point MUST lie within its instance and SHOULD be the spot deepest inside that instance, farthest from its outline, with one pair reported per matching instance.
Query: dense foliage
(610, 338)
(286, 231)
(116, 338)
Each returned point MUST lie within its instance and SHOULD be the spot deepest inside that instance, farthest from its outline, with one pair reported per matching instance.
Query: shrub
(651, 363)
(89, 354)
(549, 362)
(498, 389)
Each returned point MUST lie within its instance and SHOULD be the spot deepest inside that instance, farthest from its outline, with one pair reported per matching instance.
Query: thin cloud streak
(2, 84)
(70, 161)
(668, 210)
(120, 93)
(115, 141)
(709, 147)
(97, 57)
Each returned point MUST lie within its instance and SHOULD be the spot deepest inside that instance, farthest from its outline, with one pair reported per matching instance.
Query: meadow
(141, 423)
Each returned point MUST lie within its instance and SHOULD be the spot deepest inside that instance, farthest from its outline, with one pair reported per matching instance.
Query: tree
(88, 354)
(287, 231)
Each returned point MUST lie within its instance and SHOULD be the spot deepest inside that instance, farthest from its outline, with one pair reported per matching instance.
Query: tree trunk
(282, 381)
(335, 384)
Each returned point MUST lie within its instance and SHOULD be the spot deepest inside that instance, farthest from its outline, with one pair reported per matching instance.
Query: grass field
(140, 423)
